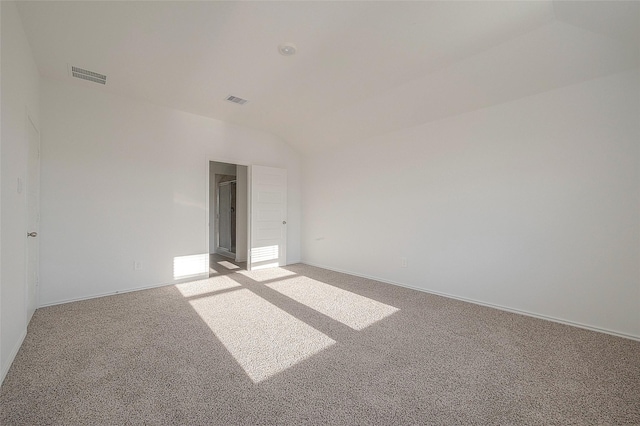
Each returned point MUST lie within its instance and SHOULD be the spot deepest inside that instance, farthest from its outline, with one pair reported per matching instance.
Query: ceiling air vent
(236, 100)
(88, 75)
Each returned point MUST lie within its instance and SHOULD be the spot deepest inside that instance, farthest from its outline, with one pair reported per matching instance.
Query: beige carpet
(302, 345)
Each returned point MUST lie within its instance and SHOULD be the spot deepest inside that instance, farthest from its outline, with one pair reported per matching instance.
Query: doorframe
(30, 120)
(208, 204)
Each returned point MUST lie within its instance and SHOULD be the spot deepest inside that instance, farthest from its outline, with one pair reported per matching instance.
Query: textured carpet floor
(302, 345)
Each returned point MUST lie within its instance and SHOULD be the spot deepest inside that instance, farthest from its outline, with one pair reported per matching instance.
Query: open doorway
(227, 212)
(228, 221)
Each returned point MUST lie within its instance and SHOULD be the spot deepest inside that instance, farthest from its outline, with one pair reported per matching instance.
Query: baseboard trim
(128, 290)
(12, 356)
(479, 302)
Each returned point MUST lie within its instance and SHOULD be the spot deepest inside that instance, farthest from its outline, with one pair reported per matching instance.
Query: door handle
(32, 234)
(284, 222)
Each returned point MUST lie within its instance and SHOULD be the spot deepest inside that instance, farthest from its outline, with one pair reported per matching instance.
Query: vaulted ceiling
(362, 68)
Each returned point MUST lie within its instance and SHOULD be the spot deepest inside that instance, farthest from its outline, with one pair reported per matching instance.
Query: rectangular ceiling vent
(88, 75)
(236, 100)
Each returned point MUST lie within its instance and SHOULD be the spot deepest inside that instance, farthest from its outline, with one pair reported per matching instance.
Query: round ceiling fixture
(287, 49)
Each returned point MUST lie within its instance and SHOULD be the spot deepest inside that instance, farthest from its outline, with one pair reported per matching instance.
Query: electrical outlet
(137, 265)
(403, 262)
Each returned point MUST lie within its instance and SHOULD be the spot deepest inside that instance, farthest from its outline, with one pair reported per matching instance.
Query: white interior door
(33, 217)
(268, 212)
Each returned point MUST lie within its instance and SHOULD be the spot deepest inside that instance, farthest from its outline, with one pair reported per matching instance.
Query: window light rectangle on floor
(263, 339)
(351, 309)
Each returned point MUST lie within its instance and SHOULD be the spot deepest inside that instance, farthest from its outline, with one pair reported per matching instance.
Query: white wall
(2, 367)
(19, 83)
(124, 180)
(532, 205)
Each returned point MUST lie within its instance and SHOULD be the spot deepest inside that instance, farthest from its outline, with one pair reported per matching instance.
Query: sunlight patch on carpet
(262, 338)
(228, 265)
(196, 288)
(353, 310)
(268, 274)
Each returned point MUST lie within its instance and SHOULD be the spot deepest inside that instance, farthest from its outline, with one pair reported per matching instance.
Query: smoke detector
(287, 49)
